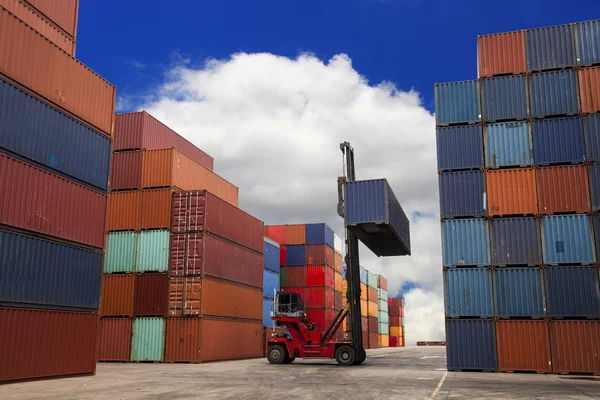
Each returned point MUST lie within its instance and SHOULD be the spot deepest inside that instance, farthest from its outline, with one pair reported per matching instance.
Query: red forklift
(301, 340)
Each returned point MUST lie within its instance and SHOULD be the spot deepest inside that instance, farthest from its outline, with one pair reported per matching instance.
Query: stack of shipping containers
(55, 144)
(396, 311)
(270, 286)
(373, 310)
(517, 153)
(383, 316)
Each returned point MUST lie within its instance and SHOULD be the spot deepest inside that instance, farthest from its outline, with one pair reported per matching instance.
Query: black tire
(345, 355)
(362, 358)
(277, 354)
(289, 360)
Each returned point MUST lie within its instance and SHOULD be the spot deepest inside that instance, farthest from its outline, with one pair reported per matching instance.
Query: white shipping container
(337, 243)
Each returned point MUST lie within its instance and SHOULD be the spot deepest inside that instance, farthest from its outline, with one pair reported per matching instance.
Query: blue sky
(412, 43)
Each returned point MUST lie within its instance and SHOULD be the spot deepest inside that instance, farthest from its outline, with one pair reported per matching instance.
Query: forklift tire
(277, 354)
(345, 355)
(289, 360)
(362, 358)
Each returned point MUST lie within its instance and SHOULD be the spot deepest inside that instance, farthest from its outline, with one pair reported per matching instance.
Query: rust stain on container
(589, 89)
(185, 296)
(123, 211)
(295, 234)
(151, 295)
(511, 191)
(319, 254)
(523, 346)
(126, 170)
(223, 299)
(117, 295)
(115, 339)
(501, 53)
(63, 13)
(562, 189)
(575, 346)
(155, 208)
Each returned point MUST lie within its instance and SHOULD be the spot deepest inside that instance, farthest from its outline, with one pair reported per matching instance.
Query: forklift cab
(289, 305)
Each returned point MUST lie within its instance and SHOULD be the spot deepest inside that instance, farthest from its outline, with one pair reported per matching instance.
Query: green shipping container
(148, 339)
(372, 280)
(282, 277)
(120, 252)
(383, 317)
(153, 251)
(382, 305)
(384, 328)
(382, 295)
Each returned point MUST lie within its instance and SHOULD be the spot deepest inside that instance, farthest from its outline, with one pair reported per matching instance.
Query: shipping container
(319, 298)
(338, 300)
(271, 255)
(396, 331)
(320, 276)
(372, 308)
(141, 131)
(468, 292)
(295, 255)
(518, 293)
(515, 241)
(471, 345)
(572, 291)
(123, 210)
(270, 284)
(295, 276)
(394, 341)
(364, 291)
(282, 255)
(551, 47)
(230, 340)
(47, 136)
(501, 53)
(372, 294)
(511, 192)
(372, 281)
(338, 244)
(596, 223)
(465, 242)
(276, 233)
(223, 299)
(459, 147)
(320, 317)
(185, 296)
(373, 340)
(126, 170)
(373, 324)
(591, 128)
(504, 98)
(337, 263)
(382, 284)
(153, 251)
(363, 275)
(69, 84)
(575, 346)
(295, 234)
(282, 276)
(319, 234)
(594, 175)
(115, 339)
(523, 346)
(266, 313)
(63, 13)
(462, 194)
(155, 208)
(364, 308)
(567, 239)
(46, 274)
(382, 295)
(383, 328)
(457, 102)
(151, 295)
(148, 339)
(46, 343)
(588, 42)
(563, 189)
(117, 295)
(589, 87)
(383, 317)
(120, 255)
(558, 141)
(319, 254)
(554, 93)
(508, 144)
(37, 200)
(384, 340)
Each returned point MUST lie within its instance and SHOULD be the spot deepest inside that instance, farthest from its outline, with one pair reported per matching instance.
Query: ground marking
(439, 386)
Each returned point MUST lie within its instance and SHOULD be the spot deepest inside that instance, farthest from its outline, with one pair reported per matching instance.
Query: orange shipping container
(575, 346)
(364, 308)
(511, 191)
(295, 234)
(501, 53)
(63, 13)
(117, 295)
(363, 291)
(337, 263)
(223, 299)
(562, 189)
(523, 346)
(185, 296)
(384, 341)
(589, 89)
(33, 61)
(373, 311)
(124, 211)
(338, 282)
(396, 331)
(155, 208)
(114, 343)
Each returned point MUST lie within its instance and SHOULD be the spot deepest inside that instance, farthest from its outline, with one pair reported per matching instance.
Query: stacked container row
(396, 315)
(383, 316)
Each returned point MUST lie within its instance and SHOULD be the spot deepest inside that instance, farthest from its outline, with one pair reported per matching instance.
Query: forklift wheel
(345, 355)
(362, 358)
(289, 360)
(277, 354)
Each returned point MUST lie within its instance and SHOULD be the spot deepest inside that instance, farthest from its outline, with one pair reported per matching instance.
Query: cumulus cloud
(274, 124)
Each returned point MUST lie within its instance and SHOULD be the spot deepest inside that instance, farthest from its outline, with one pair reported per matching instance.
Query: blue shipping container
(270, 284)
(266, 315)
(554, 93)
(465, 242)
(459, 147)
(508, 144)
(462, 194)
(594, 175)
(46, 274)
(363, 275)
(591, 128)
(588, 40)
(468, 292)
(515, 241)
(295, 254)
(596, 220)
(40, 133)
(550, 47)
(271, 255)
(518, 292)
(558, 140)
(319, 234)
(504, 98)
(471, 344)
(572, 291)
(567, 239)
(375, 216)
(457, 102)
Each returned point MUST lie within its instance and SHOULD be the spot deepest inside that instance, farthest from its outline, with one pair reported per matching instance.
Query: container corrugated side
(114, 343)
(462, 194)
(46, 343)
(270, 283)
(471, 345)
(319, 254)
(575, 346)
(511, 192)
(123, 210)
(63, 13)
(266, 315)
(588, 42)
(117, 295)
(591, 128)
(508, 144)
(501, 53)
(558, 140)
(153, 251)
(468, 292)
(295, 234)
(563, 189)
(372, 281)
(459, 147)
(523, 346)
(554, 93)
(504, 98)
(126, 170)
(155, 208)
(295, 255)
(338, 244)
(518, 292)
(151, 295)
(515, 241)
(572, 291)
(465, 242)
(148, 340)
(271, 255)
(596, 224)
(363, 275)
(589, 88)
(276, 233)
(230, 340)
(319, 234)
(224, 299)
(594, 173)
(120, 252)
(567, 239)
(457, 102)
(45, 274)
(550, 47)
(320, 276)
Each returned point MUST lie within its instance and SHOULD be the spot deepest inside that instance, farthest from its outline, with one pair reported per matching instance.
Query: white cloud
(424, 316)
(274, 125)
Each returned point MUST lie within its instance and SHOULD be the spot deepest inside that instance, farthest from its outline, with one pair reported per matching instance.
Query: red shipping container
(63, 13)
(365, 338)
(46, 343)
(338, 300)
(589, 88)
(575, 346)
(141, 131)
(115, 339)
(501, 53)
(320, 317)
(396, 321)
(36, 200)
(320, 276)
(523, 346)
(185, 296)
(223, 299)
(126, 170)
(275, 232)
(319, 254)
(373, 325)
(296, 277)
(394, 342)
(373, 340)
(318, 297)
(282, 255)
(562, 189)
(201, 211)
(151, 297)
(117, 295)
(381, 282)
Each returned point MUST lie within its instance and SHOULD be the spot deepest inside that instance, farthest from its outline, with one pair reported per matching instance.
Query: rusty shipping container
(141, 131)
(43, 343)
(117, 295)
(63, 13)
(563, 189)
(575, 346)
(114, 343)
(185, 296)
(155, 208)
(511, 191)
(295, 234)
(319, 254)
(523, 346)
(151, 295)
(224, 299)
(501, 53)
(36, 200)
(123, 211)
(69, 84)
(295, 276)
(589, 89)
(126, 170)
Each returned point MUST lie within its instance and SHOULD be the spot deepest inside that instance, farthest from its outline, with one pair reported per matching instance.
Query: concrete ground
(399, 373)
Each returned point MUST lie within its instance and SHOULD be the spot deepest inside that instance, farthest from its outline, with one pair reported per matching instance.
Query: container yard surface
(390, 373)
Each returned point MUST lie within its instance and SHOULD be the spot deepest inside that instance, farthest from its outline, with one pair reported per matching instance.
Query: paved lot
(408, 373)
